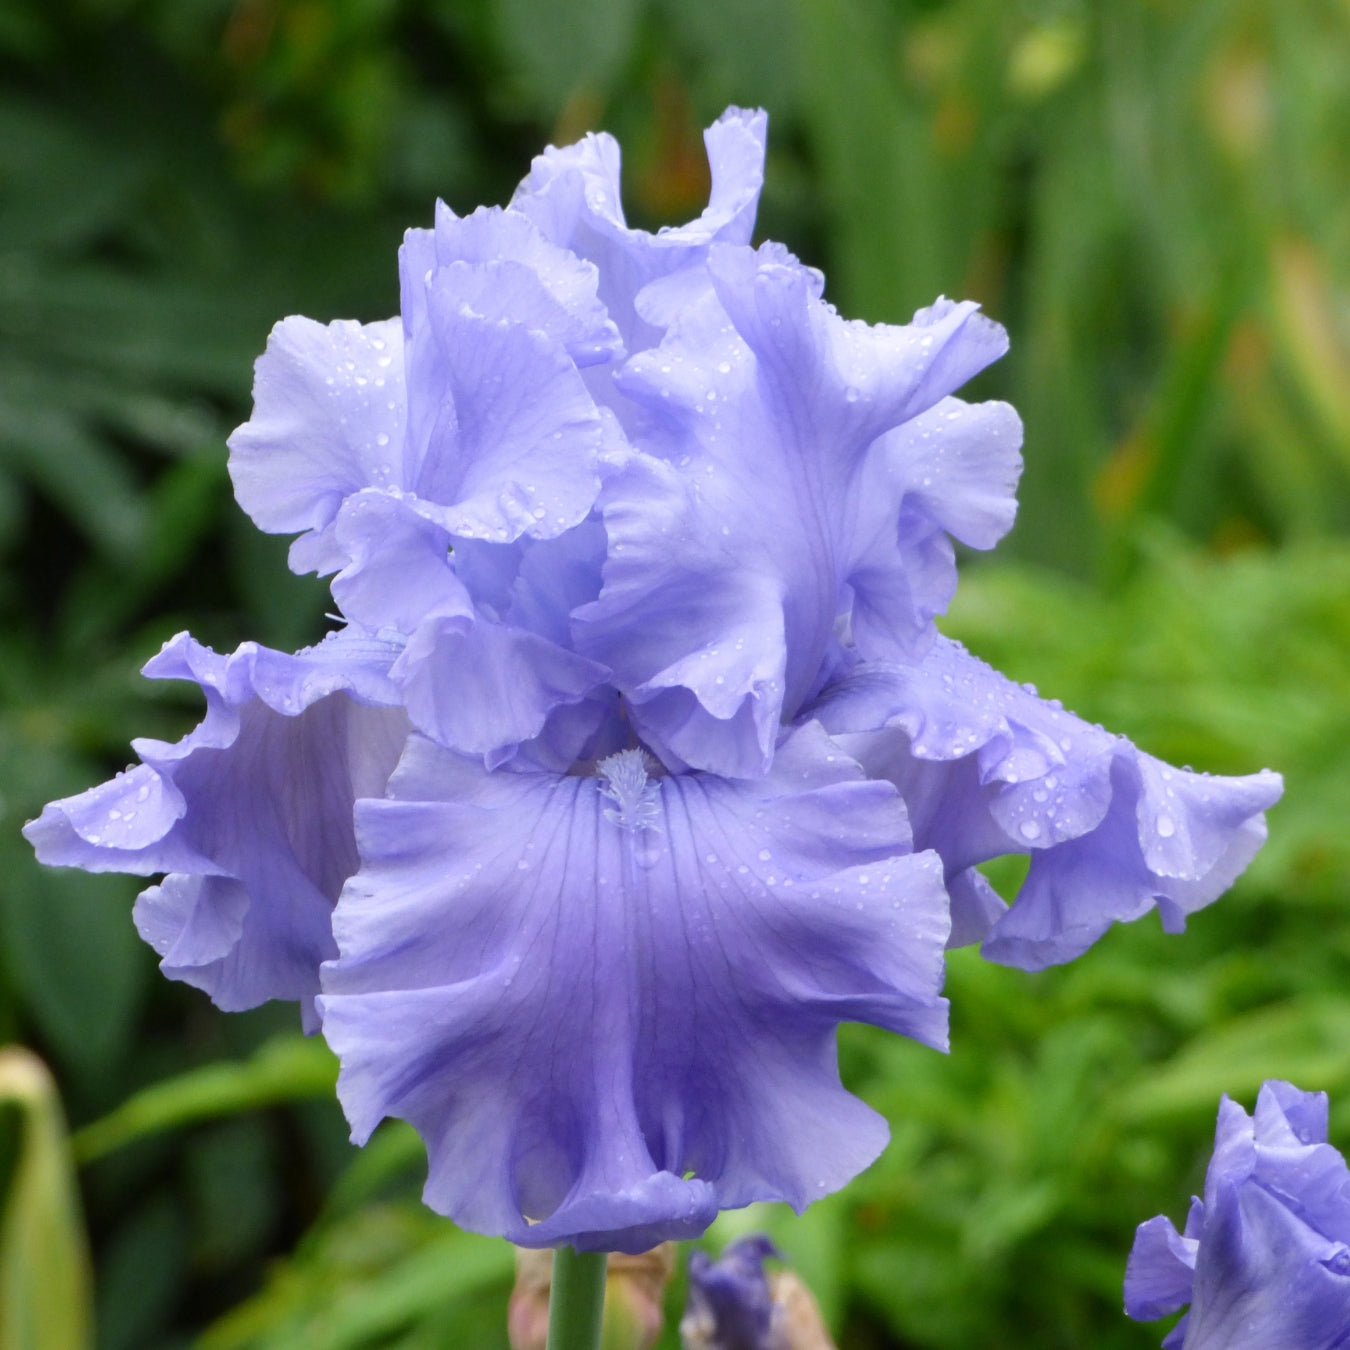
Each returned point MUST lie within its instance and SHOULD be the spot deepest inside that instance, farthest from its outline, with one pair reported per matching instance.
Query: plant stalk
(577, 1300)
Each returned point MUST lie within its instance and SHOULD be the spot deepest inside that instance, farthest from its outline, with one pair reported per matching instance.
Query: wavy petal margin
(250, 814)
(782, 501)
(608, 1004)
(987, 768)
(573, 195)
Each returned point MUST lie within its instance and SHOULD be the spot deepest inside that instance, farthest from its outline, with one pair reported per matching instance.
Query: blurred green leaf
(1307, 1042)
(141, 1272)
(288, 1068)
(75, 956)
(747, 53)
(364, 1278)
(873, 148)
(564, 50)
(44, 1260)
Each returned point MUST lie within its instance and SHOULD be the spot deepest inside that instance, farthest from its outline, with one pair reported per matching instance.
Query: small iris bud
(734, 1304)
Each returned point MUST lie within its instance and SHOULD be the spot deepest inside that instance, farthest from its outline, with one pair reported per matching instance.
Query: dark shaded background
(1152, 195)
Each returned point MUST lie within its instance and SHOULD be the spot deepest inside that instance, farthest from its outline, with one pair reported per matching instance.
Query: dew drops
(1166, 826)
(1029, 830)
(764, 855)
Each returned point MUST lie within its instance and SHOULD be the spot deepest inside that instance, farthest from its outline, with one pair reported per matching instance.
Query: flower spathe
(639, 765)
(1264, 1260)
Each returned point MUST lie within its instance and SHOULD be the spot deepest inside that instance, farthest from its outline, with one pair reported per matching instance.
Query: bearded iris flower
(638, 764)
(1264, 1259)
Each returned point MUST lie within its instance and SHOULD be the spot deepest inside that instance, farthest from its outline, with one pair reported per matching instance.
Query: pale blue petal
(505, 436)
(1160, 1272)
(987, 768)
(949, 473)
(779, 499)
(1269, 1246)
(251, 813)
(573, 195)
(506, 269)
(328, 420)
(397, 572)
(696, 643)
(483, 688)
(581, 998)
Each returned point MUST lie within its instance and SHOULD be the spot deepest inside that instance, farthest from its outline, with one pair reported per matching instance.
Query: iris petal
(328, 420)
(573, 195)
(592, 1007)
(778, 494)
(988, 768)
(1265, 1262)
(251, 814)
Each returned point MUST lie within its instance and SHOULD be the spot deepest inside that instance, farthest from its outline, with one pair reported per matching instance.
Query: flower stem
(577, 1300)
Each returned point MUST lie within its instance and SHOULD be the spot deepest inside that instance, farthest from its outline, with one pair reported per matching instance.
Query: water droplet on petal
(1166, 827)
(1030, 829)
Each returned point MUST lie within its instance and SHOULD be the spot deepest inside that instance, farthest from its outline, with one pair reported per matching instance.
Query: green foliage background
(1153, 196)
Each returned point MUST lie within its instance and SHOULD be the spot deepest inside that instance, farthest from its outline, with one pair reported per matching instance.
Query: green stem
(577, 1299)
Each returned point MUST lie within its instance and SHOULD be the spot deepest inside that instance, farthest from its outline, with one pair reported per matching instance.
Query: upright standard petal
(608, 1003)
(506, 269)
(1265, 1260)
(778, 502)
(573, 195)
(250, 814)
(328, 419)
(504, 438)
(987, 768)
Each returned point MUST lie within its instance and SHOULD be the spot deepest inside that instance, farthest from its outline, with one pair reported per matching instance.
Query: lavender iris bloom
(1264, 1260)
(639, 764)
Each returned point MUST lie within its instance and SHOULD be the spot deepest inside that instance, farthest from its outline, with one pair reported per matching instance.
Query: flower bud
(735, 1305)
